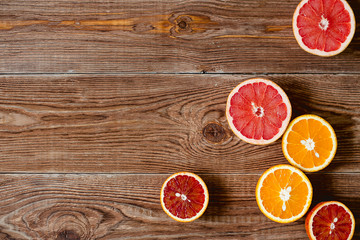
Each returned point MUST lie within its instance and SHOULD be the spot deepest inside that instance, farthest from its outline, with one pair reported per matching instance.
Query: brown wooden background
(100, 101)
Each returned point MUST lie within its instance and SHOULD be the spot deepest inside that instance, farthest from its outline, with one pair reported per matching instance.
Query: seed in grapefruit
(309, 143)
(258, 111)
(330, 221)
(184, 196)
(283, 193)
(324, 27)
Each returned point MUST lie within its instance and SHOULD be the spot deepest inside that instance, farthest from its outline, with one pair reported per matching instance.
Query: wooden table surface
(100, 101)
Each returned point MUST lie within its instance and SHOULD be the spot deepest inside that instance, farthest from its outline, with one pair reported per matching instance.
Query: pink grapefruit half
(324, 27)
(258, 111)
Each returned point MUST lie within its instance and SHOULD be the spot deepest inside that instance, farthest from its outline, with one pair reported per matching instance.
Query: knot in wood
(68, 235)
(214, 132)
(182, 24)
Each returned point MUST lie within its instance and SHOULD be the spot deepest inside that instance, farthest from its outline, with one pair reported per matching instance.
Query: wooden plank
(66, 36)
(156, 123)
(120, 206)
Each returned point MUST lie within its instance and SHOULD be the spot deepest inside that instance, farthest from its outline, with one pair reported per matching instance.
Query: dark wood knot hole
(182, 24)
(68, 235)
(214, 132)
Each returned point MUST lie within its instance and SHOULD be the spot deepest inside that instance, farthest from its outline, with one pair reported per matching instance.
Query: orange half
(309, 143)
(284, 193)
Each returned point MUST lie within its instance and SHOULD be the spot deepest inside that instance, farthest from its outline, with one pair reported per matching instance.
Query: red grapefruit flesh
(330, 221)
(258, 111)
(324, 27)
(184, 196)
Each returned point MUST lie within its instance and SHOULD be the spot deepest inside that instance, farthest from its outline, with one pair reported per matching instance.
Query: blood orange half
(324, 27)
(184, 196)
(258, 111)
(330, 221)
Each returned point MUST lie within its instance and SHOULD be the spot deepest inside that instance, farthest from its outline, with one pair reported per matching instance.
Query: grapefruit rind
(285, 123)
(333, 137)
(205, 202)
(314, 211)
(259, 201)
(317, 51)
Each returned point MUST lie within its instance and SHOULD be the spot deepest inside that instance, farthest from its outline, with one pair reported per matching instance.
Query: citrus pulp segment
(258, 111)
(184, 196)
(309, 143)
(331, 221)
(324, 27)
(283, 193)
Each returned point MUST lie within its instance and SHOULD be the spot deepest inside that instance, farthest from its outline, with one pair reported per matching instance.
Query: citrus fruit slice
(184, 196)
(324, 27)
(283, 193)
(309, 143)
(331, 221)
(258, 111)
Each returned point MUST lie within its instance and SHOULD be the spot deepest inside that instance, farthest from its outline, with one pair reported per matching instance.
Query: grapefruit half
(184, 196)
(258, 111)
(330, 220)
(324, 27)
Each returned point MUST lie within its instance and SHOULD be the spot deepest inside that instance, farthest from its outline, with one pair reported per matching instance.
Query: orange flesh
(271, 190)
(321, 136)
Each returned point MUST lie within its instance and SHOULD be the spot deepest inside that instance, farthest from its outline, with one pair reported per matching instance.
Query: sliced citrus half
(184, 196)
(330, 221)
(309, 143)
(258, 111)
(283, 193)
(324, 27)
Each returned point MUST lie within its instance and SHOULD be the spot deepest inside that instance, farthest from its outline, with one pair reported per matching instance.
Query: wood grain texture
(94, 118)
(65, 36)
(128, 207)
(156, 123)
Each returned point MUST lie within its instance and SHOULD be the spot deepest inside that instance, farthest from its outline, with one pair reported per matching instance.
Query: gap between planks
(176, 73)
(154, 174)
